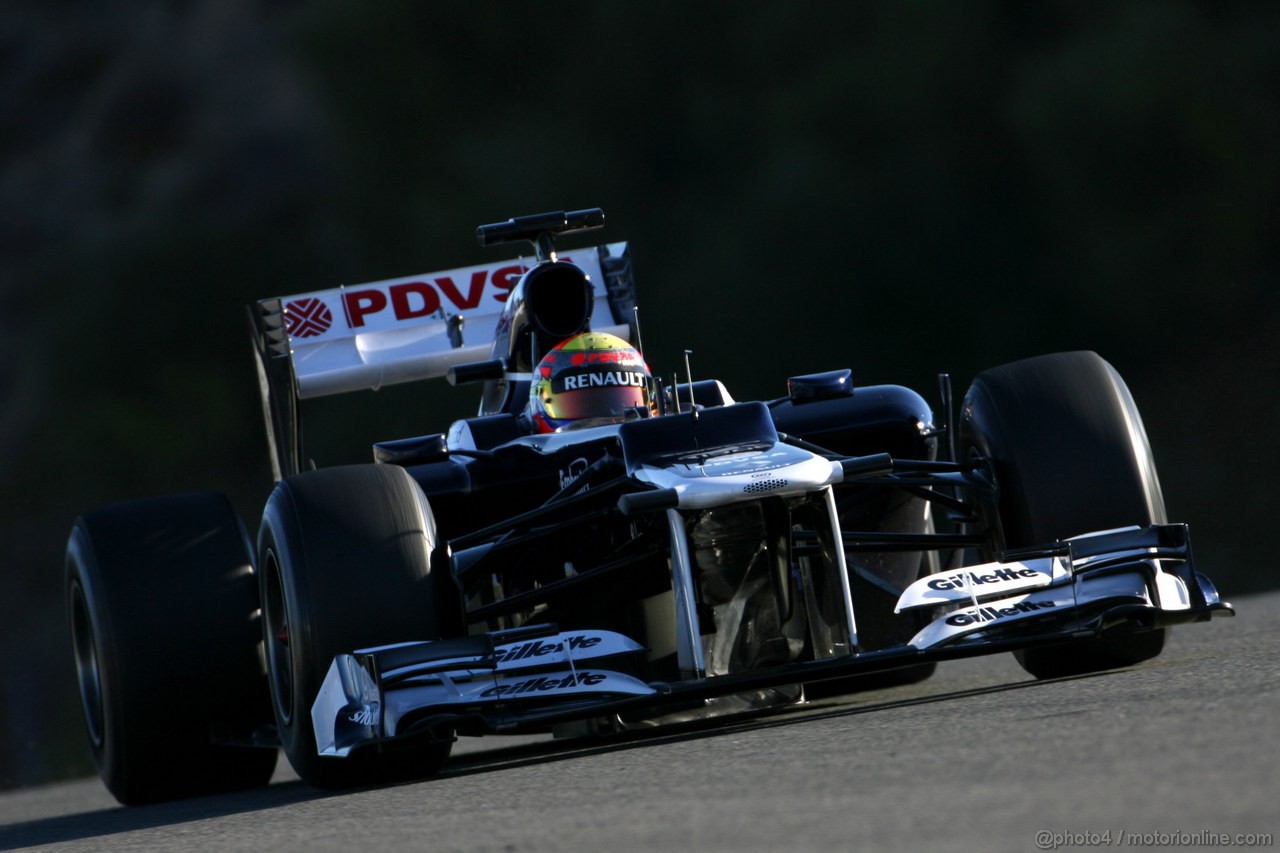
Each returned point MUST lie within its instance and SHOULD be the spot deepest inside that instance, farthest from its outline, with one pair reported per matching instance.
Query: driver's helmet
(590, 379)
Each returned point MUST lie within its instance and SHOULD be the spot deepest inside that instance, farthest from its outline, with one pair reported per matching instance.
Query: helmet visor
(607, 402)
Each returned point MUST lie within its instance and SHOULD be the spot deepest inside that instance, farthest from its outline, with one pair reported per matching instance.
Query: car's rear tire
(1070, 456)
(162, 605)
(345, 556)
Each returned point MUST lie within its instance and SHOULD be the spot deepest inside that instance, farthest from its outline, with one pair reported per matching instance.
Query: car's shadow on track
(829, 708)
(119, 819)
(116, 820)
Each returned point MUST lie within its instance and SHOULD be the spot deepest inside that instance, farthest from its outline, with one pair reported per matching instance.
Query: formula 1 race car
(600, 549)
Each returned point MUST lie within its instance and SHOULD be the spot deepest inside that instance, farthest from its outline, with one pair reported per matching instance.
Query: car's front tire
(1070, 455)
(345, 557)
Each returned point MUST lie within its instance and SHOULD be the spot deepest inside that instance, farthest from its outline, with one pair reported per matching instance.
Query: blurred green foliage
(901, 188)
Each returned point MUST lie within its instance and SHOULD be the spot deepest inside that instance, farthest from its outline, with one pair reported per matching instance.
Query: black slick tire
(162, 603)
(1070, 455)
(345, 556)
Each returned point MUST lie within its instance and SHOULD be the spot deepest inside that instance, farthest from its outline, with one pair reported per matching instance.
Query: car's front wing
(534, 677)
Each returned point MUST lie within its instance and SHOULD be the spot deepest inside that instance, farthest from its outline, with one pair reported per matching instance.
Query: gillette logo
(963, 618)
(544, 683)
(958, 581)
(537, 648)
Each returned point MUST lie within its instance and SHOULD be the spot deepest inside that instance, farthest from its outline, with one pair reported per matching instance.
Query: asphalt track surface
(979, 757)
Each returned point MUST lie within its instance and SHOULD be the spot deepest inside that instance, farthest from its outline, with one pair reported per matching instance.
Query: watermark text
(1052, 840)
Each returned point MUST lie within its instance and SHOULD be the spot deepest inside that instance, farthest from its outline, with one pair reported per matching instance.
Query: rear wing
(366, 336)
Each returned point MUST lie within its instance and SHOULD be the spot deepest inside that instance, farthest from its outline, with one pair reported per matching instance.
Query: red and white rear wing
(365, 336)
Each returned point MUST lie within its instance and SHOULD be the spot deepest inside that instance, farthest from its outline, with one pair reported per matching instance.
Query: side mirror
(475, 371)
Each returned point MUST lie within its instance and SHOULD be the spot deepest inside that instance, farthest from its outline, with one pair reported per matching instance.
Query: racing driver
(588, 380)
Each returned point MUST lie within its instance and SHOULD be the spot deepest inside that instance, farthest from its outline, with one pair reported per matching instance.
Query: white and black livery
(700, 556)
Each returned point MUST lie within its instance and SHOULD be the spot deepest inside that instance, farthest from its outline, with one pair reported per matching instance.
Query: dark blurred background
(901, 188)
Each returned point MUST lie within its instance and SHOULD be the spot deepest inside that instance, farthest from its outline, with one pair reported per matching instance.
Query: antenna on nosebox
(688, 372)
(653, 380)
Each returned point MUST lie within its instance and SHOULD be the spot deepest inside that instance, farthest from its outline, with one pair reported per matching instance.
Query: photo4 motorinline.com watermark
(1054, 840)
